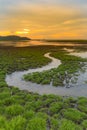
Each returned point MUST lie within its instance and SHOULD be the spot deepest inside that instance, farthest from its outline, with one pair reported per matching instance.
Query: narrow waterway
(15, 79)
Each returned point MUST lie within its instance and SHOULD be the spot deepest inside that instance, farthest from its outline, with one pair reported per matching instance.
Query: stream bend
(15, 79)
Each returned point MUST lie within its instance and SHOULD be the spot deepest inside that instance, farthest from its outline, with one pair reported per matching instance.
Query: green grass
(74, 114)
(69, 125)
(84, 124)
(22, 110)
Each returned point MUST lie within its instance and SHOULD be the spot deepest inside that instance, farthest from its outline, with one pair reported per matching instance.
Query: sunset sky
(54, 19)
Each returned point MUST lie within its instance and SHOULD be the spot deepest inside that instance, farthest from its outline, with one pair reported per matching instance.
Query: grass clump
(74, 115)
(3, 122)
(37, 124)
(17, 123)
(56, 107)
(69, 125)
(54, 124)
(84, 124)
(14, 110)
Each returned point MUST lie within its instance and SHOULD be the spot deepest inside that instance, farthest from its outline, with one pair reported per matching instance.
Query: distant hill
(13, 38)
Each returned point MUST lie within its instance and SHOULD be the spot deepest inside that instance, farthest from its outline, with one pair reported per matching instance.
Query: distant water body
(36, 43)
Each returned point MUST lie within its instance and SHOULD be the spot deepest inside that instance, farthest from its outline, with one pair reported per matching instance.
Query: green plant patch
(74, 114)
(84, 124)
(55, 107)
(69, 125)
(17, 123)
(14, 110)
(37, 123)
(54, 123)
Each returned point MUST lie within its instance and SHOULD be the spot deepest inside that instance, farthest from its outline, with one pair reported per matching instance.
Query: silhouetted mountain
(13, 38)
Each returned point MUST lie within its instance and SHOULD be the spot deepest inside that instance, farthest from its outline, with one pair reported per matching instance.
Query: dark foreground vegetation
(21, 110)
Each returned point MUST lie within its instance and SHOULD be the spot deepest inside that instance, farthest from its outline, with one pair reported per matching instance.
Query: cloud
(45, 18)
(75, 21)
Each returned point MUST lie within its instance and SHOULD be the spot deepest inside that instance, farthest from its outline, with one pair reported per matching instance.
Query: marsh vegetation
(65, 75)
(22, 110)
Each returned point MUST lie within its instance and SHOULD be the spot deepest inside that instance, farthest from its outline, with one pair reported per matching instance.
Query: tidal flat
(24, 110)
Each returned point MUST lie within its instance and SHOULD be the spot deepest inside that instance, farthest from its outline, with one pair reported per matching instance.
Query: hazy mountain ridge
(13, 38)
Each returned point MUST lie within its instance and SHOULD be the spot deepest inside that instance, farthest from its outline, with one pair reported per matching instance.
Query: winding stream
(15, 79)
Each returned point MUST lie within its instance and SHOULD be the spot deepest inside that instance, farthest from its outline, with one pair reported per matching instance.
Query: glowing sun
(24, 31)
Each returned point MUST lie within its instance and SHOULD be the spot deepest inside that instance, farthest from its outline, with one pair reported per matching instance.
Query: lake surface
(35, 43)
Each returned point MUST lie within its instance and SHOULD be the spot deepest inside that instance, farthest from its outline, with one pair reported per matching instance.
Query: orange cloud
(74, 21)
(39, 21)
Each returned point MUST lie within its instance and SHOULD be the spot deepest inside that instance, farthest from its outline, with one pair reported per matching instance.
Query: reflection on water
(35, 43)
(73, 52)
(81, 54)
